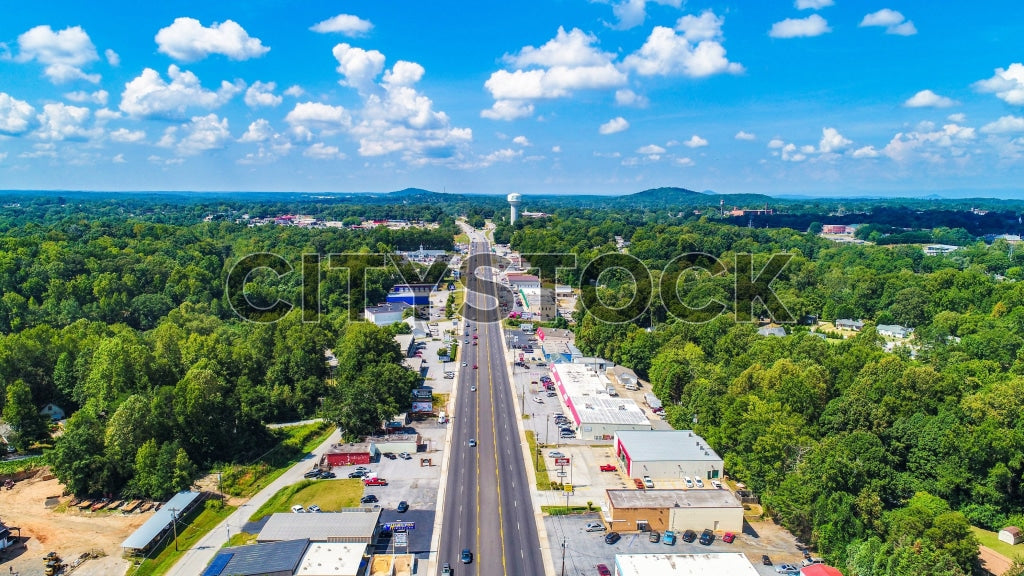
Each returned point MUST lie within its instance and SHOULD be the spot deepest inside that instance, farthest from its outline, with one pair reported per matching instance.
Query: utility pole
(563, 556)
(174, 525)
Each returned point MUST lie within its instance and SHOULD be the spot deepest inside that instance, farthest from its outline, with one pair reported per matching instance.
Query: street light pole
(563, 556)
(174, 525)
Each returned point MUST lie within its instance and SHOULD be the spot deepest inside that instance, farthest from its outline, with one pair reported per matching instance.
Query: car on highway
(474, 366)
(669, 538)
(466, 557)
(728, 538)
(466, 341)
(403, 506)
(472, 388)
(472, 442)
(612, 538)
(689, 536)
(595, 527)
(707, 537)
(608, 468)
(368, 499)
(464, 364)
(603, 570)
(446, 568)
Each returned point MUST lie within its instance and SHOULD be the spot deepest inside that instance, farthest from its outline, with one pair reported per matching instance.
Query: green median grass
(543, 480)
(329, 495)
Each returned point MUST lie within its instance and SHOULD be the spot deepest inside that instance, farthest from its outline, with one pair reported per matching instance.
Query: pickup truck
(608, 468)
(375, 482)
(669, 538)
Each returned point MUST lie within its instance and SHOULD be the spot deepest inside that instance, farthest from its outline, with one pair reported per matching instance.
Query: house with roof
(769, 330)
(849, 324)
(894, 331)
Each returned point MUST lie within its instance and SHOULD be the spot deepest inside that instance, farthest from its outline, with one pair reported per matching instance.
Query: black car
(355, 475)
(707, 537)
(611, 538)
(368, 499)
(389, 455)
(327, 475)
(766, 560)
(403, 506)
(314, 473)
(689, 536)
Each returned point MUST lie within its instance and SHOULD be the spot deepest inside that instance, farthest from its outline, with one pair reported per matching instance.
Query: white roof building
(733, 564)
(597, 414)
(332, 559)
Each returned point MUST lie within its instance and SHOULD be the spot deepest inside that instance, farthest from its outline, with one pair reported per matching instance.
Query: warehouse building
(679, 510)
(667, 455)
(356, 525)
(597, 415)
(386, 314)
(267, 559)
(733, 564)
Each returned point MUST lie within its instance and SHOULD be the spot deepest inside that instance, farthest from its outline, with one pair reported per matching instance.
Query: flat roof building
(386, 314)
(679, 510)
(667, 454)
(333, 559)
(358, 525)
(265, 559)
(733, 564)
(597, 415)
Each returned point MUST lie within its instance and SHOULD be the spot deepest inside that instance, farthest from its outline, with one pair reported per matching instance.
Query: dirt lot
(68, 533)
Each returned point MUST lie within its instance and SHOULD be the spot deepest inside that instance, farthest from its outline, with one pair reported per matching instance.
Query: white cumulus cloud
(685, 162)
(650, 149)
(893, 22)
(126, 135)
(63, 53)
(617, 124)
(63, 122)
(187, 39)
(295, 91)
(82, 97)
(696, 51)
(321, 151)
(507, 110)
(521, 140)
(928, 99)
(16, 116)
(201, 134)
(866, 152)
(832, 141)
(632, 13)
(312, 118)
(626, 97)
(113, 58)
(742, 135)
(573, 48)
(358, 67)
(149, 95)
(695, 141)
(1007, 84)
(813, 25)
(262, 94)
(1005, 125)
(344, 23)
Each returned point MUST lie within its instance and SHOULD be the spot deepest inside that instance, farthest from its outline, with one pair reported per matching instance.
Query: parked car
(595, 527)
(654, 536)
(728, 538)
(567, 435)
(538, 399)
(603, 570)
(298, 509)
(403, 506)
(766, 560)
(405, 456)
(374, 482)
(612, 538)
(466, 557)
(648, 483)
(787, 569)
(314, 473)
(313, 508)
(608, 468)
(368, 499)
(669, 538)
(355, 474)
(707, 537)
(556, 454)
(689, 536)
(327, 475)
(389, 455)
(810, 561)
(698, 482)
(361, 469)
(716, 484)
(552, 394)
(689, 483)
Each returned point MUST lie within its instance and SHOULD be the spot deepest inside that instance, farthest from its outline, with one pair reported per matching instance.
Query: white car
(538, 399)
(464, 364)
(298, 509)
(472, 388)
(595, 527)
(716, 484)
(648, 483)
(699, 482)
(689, 483)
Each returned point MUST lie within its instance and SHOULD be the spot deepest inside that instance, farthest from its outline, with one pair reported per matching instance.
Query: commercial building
(411, 294)
(385, 314)
(667, 455)
(679, 510)
(333, 559)
(523, 281)
(357, 525)
(733, 564)
(597, 415)
(353, 453)
(266, 559)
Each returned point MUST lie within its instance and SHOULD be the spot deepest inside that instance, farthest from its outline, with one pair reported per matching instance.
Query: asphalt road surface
(487, 506)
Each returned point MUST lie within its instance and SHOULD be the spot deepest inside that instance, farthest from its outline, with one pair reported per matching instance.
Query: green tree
(27, 425)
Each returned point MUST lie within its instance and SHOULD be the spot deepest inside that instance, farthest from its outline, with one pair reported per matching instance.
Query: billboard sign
(399, 526)
(422, 407)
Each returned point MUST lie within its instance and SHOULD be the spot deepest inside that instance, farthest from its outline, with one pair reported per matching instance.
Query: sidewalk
(194, 561)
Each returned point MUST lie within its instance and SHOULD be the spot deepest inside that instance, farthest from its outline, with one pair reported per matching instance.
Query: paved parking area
(585, 550)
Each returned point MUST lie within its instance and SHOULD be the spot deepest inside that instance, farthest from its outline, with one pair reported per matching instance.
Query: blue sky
(822, 97)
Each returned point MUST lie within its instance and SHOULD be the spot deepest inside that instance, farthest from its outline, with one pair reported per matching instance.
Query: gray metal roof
(666, 446)
(263, 558)
(699, 498)
(145, 534)
(321, 527)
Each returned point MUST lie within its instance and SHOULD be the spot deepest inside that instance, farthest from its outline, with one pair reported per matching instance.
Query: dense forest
(882, 460)
(118, 313)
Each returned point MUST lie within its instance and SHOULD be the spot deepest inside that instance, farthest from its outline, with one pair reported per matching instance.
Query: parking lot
(585, 550)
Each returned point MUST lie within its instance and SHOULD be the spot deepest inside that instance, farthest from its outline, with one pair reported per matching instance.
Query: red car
(728, 538)
(375, 482)
(603, 570)
(474, 366)
(608, 468)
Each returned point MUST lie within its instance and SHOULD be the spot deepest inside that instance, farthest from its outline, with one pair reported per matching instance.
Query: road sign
(561, 461)
(399, 526)
(567, 488)
(402, 539)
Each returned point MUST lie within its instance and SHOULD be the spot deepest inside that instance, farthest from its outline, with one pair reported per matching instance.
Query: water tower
(514, 200)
